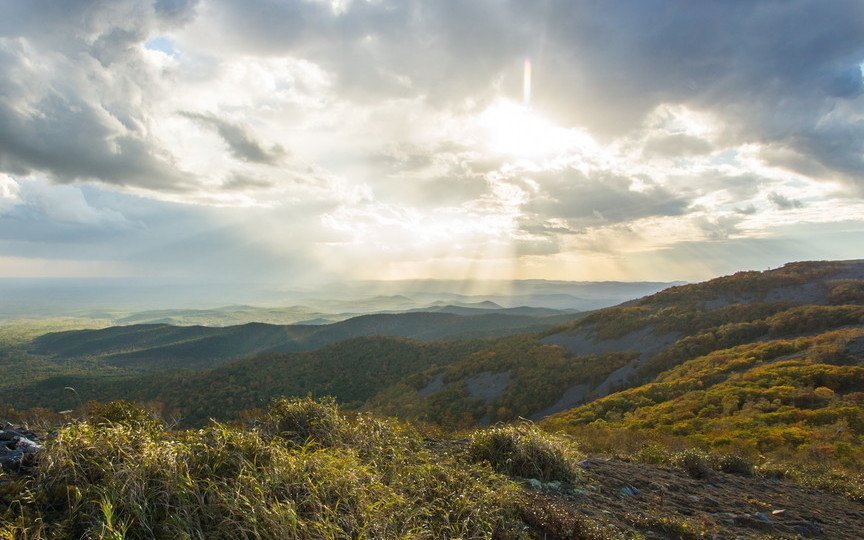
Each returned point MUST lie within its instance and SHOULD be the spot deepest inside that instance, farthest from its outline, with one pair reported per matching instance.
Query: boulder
(18, 448)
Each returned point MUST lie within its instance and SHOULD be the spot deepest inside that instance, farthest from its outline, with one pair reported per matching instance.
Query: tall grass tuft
(305, 420)
(525, 451)
(308, 472)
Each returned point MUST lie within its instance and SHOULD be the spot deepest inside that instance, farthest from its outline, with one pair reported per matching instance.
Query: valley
(759, 374)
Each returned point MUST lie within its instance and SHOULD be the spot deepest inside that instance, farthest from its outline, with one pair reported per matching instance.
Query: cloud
(676, 145)
(40, 212)
(78, 93)
(697, 119)
(240, 182)
(718, 228)
(240, 141)
(782, 202)
(602, 197)
(770, 74)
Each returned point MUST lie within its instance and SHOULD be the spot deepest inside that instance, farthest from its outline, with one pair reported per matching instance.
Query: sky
(310, 141)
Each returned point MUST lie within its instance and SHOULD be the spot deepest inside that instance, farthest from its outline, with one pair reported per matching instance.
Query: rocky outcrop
(18, 448)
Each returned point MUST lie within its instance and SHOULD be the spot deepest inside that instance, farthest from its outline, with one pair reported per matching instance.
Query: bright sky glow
(310, 141)
(517, 131)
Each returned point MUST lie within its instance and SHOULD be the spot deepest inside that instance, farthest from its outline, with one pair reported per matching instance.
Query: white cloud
(394, 133)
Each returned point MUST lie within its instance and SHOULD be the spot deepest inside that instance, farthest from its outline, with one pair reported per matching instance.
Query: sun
(514, 129)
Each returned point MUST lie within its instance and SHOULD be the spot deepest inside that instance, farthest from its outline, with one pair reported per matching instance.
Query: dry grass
(308, 472)
(523, 450)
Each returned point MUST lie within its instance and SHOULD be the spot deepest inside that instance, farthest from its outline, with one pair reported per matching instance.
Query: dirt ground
(621, 499)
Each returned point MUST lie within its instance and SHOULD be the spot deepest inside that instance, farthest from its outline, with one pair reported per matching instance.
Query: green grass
(523, 450)
(307, 471)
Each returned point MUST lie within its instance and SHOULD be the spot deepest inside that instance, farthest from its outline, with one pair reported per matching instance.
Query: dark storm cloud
(770, 71)
(241, 142)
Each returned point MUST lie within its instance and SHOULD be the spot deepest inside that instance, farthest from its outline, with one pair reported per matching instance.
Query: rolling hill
(161, 346)
(477, 382)
(629, 345)
(352, 370)
(731, 407)
(757, 397)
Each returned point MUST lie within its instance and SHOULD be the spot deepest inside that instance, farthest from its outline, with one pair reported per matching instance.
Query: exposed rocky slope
(662, 502)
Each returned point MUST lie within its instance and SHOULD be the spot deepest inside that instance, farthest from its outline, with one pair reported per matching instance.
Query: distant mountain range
(229, 315)
(127, 301)
(484, 364)
(163, 346)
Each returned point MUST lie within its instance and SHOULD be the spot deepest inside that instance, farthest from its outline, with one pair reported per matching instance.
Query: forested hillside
(159, 346)
(459, 384)
(629, 345)
(696, 398)
(352, 371)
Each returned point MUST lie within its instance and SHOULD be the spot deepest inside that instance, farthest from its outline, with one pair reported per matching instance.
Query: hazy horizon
(117, 297)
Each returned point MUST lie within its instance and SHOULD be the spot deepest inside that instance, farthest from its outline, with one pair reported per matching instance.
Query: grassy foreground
(305, 470)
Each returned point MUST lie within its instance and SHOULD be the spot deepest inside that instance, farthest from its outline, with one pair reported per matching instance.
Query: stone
(629, 491)
(8, 435)
(12, 460)
(806, 528)
(27, 446)
(18, 448)
(762, 517)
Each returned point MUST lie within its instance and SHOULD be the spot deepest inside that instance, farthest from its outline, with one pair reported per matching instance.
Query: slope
(629, 345)
(525, 375)
(796, 402)
(352, 371)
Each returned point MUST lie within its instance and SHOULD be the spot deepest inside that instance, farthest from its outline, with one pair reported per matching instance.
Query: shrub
(694, 461)
(734, 464)
(652, 453)
(525, 451)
